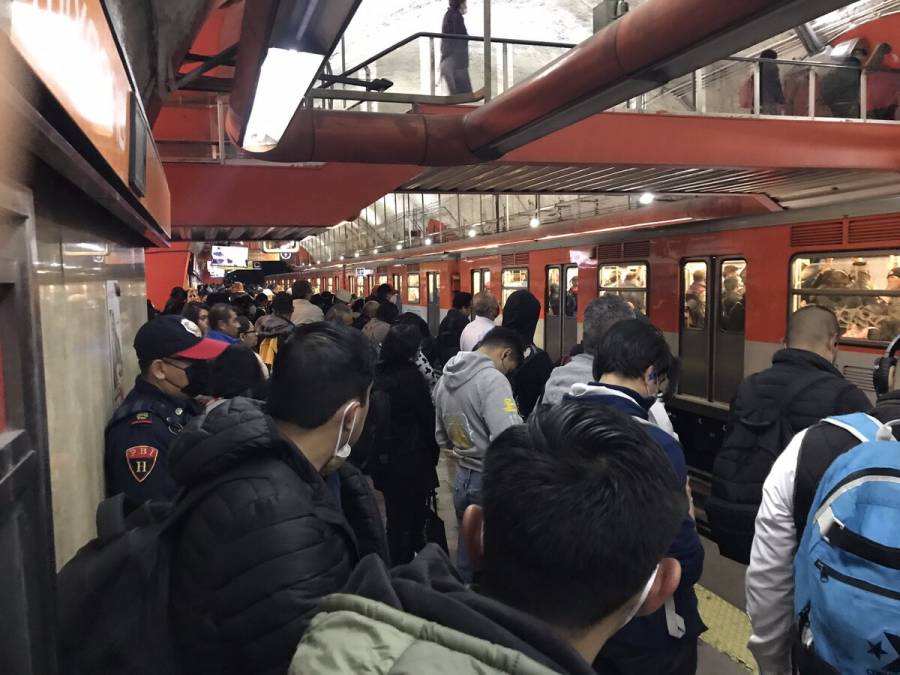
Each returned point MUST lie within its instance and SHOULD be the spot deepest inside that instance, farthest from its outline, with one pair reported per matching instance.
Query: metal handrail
(469, 38)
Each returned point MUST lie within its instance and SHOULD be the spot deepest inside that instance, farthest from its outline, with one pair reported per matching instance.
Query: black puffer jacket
(827, 396)
(255, 557)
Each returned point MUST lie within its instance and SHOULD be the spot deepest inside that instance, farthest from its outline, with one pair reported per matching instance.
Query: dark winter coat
(828, 396)
(256, 556)
(458, 50)
(521, 313)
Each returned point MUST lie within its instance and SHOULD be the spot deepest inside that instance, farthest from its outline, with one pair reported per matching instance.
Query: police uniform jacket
(137, 440)
(256, 556)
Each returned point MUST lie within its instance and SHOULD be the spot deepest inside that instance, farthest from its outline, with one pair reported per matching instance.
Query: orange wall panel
(165, 268)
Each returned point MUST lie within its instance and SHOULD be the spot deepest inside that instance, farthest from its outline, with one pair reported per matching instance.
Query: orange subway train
(720, 291)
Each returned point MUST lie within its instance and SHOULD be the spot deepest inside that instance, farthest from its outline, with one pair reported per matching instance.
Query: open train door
(434, 302)
(27, 569)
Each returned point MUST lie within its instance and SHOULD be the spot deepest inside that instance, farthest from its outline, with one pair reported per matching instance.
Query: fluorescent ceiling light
(647, 198)
(285, 77)
(472, 232)
(535, 221)
(428, 241)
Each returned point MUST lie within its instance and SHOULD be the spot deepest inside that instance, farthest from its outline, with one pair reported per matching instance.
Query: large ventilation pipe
(647, 47)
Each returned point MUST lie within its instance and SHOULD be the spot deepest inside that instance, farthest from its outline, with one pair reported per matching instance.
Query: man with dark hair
(578, 512)
(383, 293)
(787, 498)
(286, 520)
(223, 324)
(458, 317)
(474, 404)
(304, 310)
(632, 361)
(172, 354)
(801, 387)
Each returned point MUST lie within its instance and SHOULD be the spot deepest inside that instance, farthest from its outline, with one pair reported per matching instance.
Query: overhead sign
(280, 246)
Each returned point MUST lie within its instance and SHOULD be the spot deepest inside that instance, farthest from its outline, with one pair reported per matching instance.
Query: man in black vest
(801, 387)
(172, 355)
(787, 498)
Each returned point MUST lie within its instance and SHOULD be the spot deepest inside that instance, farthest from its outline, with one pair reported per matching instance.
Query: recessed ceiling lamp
(428, 241)
(341, 258)
(535, 221)
(356, 255)
(647, 198)
(399, 247)
(472, 232)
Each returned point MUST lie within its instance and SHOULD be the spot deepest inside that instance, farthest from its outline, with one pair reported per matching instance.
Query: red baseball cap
(171, 335)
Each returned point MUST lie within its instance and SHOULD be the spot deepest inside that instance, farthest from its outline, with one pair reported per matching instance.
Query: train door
(434, 302)
(481, 281)
(560, 310)
(713, 310)
(26, 529)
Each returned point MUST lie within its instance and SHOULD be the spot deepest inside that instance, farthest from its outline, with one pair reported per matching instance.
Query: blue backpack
(847, 569)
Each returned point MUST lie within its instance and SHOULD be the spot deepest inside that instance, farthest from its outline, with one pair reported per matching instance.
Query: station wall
(81, 261)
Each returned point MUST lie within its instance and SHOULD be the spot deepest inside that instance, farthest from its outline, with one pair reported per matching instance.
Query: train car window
(630, 276)
(396, 283)
(512, 280)
(733, 304)
(330, 283)
(552, 302)
(862, 289)
(694, 300)
(412, 288)
(382, 279)
(571, 291)
(361, 286)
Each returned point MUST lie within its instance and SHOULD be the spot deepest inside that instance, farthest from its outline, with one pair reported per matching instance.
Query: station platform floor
(723, 648)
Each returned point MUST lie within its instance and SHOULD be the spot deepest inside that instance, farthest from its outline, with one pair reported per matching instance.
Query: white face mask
(343, 451)
(643, 599)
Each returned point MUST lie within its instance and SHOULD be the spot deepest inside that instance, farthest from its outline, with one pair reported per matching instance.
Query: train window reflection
(512, 280)
(694, 300)
(733, 306)
(862, 289)
(412, 288)
(552, 301)
(571, 291)
(631, 276)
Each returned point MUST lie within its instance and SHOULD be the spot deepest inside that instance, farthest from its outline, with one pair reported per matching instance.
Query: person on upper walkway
(474, 404)
(455, 51)
(600, 315)
(579, 510)
(632, 361)
(801, 387)
(787, 498)
(304, 310)
(287, 520)
(521, 313)
(224, 324)
(172, 355)
(487, 309)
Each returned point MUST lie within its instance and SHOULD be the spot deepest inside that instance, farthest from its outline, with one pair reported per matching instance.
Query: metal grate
(861, 377)
(606, 252)
(636, 249)
(879, 228)
(514, 259)
(818, 234)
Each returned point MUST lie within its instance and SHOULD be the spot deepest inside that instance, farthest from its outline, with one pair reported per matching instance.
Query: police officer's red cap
(174, 336)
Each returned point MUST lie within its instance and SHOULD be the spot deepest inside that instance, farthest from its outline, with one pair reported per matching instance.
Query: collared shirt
(474, 332)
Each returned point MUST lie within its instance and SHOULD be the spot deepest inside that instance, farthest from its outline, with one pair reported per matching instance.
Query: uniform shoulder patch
(141, 418)
(141, 460)
(509, 406)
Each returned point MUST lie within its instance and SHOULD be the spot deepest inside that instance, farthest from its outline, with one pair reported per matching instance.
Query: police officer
(172, 354)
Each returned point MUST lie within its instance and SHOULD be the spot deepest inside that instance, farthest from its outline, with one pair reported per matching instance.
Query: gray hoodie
(474, 404)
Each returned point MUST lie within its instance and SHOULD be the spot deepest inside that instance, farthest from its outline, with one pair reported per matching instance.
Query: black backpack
(742, 464)
(114, 594)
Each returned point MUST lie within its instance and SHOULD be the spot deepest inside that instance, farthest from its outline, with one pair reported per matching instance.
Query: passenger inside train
(482, 336)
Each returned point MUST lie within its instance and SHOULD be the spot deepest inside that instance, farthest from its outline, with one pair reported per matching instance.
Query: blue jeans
(466, 491)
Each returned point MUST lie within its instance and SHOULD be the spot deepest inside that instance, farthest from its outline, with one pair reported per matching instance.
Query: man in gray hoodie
(474, 404)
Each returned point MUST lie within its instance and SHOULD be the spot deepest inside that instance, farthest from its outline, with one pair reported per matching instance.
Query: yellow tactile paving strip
(729, 628)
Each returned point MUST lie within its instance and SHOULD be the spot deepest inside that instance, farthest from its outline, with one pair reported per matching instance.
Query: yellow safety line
(729, 628)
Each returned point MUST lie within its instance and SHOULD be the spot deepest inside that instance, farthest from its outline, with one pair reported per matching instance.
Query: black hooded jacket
(430, 588)
(257, 554)
(521, 313)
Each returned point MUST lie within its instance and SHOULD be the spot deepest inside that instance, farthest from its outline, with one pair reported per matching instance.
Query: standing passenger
(377, 329)
(474, 404)
(455, 51)
(771, 93)
(304, 310)
(224, 324)
(487, 309)
(287, 521)
(521, 313)
(453, 325)
(198, 312)
(172, 355)
(632, 360)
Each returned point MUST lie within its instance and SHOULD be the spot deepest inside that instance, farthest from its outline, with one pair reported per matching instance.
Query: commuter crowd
(261, 422)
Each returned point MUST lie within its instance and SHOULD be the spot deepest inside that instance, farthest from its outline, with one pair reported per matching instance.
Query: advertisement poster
(115, 341)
